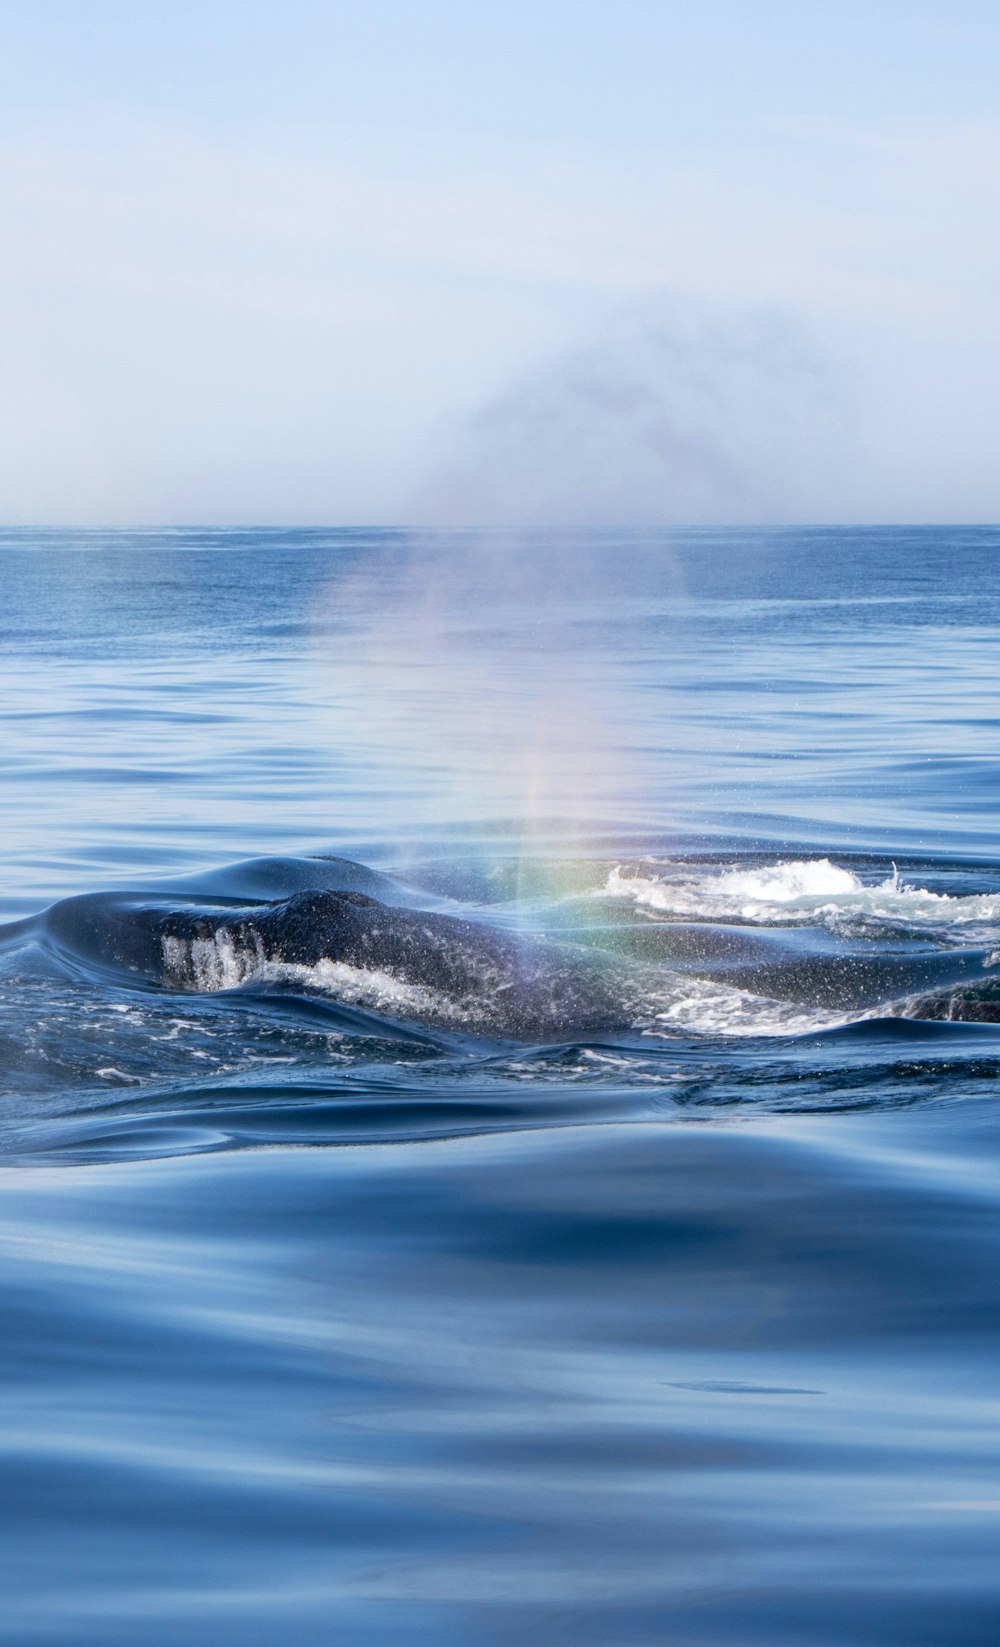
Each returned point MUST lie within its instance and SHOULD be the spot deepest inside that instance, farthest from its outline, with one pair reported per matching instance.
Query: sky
(640, 262)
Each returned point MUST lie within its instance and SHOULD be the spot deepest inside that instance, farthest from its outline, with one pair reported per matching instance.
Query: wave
(799, 891)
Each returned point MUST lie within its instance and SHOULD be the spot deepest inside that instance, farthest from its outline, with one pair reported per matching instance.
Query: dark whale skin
(474, 975)
(494, 980)
(962, 1006)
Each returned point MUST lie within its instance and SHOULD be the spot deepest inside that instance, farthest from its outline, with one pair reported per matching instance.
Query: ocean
(498, 1068)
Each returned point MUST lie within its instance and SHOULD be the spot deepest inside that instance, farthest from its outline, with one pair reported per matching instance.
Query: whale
(452, 972)
(449, 969)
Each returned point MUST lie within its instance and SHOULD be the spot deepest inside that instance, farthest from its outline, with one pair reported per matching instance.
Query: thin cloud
(677, 412)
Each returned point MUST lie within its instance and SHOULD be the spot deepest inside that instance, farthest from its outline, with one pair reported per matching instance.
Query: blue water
(498, 1059)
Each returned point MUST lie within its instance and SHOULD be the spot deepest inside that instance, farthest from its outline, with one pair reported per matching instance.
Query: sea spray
(489, 672)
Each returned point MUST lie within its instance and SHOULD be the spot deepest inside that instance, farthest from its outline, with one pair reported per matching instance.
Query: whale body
(448, 969)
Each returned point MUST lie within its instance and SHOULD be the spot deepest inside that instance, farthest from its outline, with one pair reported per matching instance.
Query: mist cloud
(676, 412)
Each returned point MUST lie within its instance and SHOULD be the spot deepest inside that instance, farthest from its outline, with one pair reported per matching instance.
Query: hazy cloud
(676, 412)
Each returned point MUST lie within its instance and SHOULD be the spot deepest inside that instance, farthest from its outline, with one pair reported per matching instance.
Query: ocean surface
(499, 1054)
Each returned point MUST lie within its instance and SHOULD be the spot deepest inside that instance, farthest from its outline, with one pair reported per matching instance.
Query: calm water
(497, 1086)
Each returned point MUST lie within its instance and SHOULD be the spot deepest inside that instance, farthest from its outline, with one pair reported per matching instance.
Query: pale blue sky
(318, 262)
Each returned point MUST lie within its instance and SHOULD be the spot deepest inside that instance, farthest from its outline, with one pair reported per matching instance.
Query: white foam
(372, 988)
(700, 1006)
(790, 883)
(798, 891)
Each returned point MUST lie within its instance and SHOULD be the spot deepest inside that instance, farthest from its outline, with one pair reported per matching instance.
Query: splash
(796, 892)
